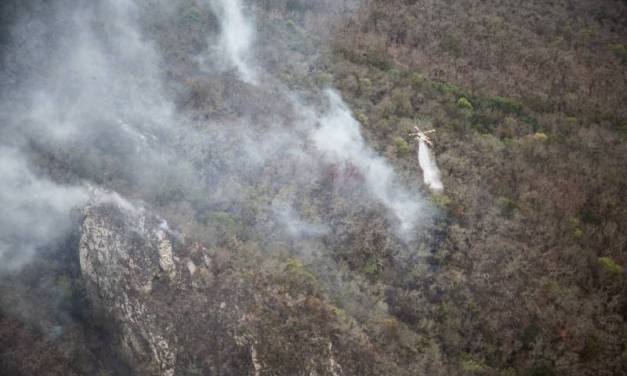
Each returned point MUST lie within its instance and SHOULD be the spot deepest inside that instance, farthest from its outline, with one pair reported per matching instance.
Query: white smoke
(98, 70)
(101, 196)
(338, 135)
(99, 103)
(84, 75)
(236, 37)
(35, 210)
(339, 138)
(295, 225)
(430, 171)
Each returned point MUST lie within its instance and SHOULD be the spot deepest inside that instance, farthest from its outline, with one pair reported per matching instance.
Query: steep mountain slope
(302, 240)
(528, 102)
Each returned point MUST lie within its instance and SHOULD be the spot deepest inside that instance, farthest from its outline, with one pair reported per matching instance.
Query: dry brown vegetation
(523, 271)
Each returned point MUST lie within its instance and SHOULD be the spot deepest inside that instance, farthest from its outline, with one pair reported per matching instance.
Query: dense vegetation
(520, 272)
(528, 100)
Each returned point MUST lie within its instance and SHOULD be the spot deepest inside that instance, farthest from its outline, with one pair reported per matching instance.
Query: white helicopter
(422, 136)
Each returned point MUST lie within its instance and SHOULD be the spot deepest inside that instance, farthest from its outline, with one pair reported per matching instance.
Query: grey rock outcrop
(120, 268)
(174, 308)
(159, 295)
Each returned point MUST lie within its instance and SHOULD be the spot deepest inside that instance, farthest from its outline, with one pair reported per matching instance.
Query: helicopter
(422, 136)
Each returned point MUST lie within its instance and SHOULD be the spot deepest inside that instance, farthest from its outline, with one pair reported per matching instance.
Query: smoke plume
(339, 139)
(103, 110)
(236, 37)
(36, 211)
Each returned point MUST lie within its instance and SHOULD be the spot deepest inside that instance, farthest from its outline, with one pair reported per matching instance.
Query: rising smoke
(236, 37)
(76, 90)
(335, 133)
(339, 139)
(35, 210)
(102, 108)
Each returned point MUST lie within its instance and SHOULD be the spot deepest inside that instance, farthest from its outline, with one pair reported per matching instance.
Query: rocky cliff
(181, 309)
(135, 276)
(124, 253)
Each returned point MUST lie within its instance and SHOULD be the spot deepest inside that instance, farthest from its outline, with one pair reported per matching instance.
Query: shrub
(377, 56)
(492, 142)
(589, 216)
(531, 121)
(394, 73)
(620, 50)
(540, 136)
(506, 206)
(365, 86)
(371, 268)
(300, 279)
(451, 45)
(506, 105)
(391, 328)
(362, 118)
(543, 368)
(464, 103)
(221, 218)
(402, 102)
(609, 265)
(385, 108)
(402, 147)
(471, 365)
(441, 200)
(445, 88)
(592, 348)
(416, 80)
(223, 222)
(620, 127)
(538, 103)
(324, 80)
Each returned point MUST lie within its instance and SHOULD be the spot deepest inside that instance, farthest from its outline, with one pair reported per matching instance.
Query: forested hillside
(271, 138)
(528, 100)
